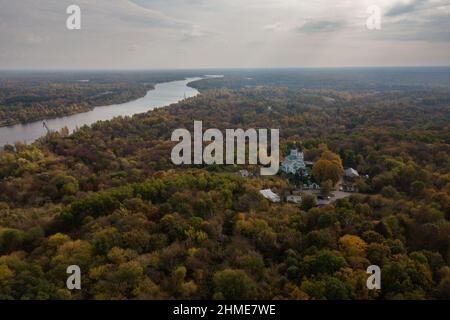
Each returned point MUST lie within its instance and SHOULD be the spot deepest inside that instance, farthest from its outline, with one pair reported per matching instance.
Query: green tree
(308, 202)
(335, 289)
(326, 187)
(234, 284)
(324, 262)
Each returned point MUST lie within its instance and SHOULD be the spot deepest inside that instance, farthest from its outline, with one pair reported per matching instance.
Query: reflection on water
(163, 95)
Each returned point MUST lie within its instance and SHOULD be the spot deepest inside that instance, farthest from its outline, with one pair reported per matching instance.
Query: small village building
(314, 186)
(294, 162)
(244, 173)
(292, 198)
(351, 173)
(270, 195)
(311, 186)
(348, 188)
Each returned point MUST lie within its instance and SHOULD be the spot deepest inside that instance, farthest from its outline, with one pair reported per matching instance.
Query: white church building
(294, 162)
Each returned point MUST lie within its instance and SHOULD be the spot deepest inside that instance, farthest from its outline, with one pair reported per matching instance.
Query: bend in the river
(162, 95)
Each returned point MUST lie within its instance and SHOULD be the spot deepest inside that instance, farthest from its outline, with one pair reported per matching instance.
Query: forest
(108, 198)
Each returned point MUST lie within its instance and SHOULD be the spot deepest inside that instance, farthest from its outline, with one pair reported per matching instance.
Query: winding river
(164, 94)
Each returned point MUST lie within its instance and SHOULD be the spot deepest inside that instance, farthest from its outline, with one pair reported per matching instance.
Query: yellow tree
(328, 167)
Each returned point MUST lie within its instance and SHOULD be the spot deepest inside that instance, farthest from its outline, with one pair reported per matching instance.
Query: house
(329, 99)
(294, 162)
(351, 173)
(244, 173)
(292, 198)
(311, 186)
(314, 186)
(348, 188)
(270, 195)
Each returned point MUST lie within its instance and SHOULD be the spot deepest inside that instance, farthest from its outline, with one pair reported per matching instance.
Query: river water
(164, 94)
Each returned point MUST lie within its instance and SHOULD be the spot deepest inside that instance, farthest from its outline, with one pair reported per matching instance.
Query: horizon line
(212, 68)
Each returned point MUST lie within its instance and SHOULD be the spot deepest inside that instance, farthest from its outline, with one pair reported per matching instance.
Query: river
(164, 94)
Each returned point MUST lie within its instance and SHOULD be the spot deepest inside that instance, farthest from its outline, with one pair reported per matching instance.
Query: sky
(188, 34)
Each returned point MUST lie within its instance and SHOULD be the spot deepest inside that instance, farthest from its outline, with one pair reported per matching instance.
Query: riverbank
(163, 94)
(21, 105)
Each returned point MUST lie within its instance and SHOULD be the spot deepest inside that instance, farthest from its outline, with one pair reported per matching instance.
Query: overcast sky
(144, 34)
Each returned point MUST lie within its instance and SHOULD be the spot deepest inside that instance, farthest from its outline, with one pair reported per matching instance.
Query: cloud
(431, 27)
(134, 14)
(322, 26)
(151, 3)
(402, 8)
(195, 32)
(418, 20)
(277, 26)
(221, 33)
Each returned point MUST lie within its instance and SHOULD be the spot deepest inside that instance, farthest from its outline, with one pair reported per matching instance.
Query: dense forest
(26, 98)
(108, 198)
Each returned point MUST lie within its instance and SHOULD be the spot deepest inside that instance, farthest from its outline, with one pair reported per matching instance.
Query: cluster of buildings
(295, 164)
(275, 198)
